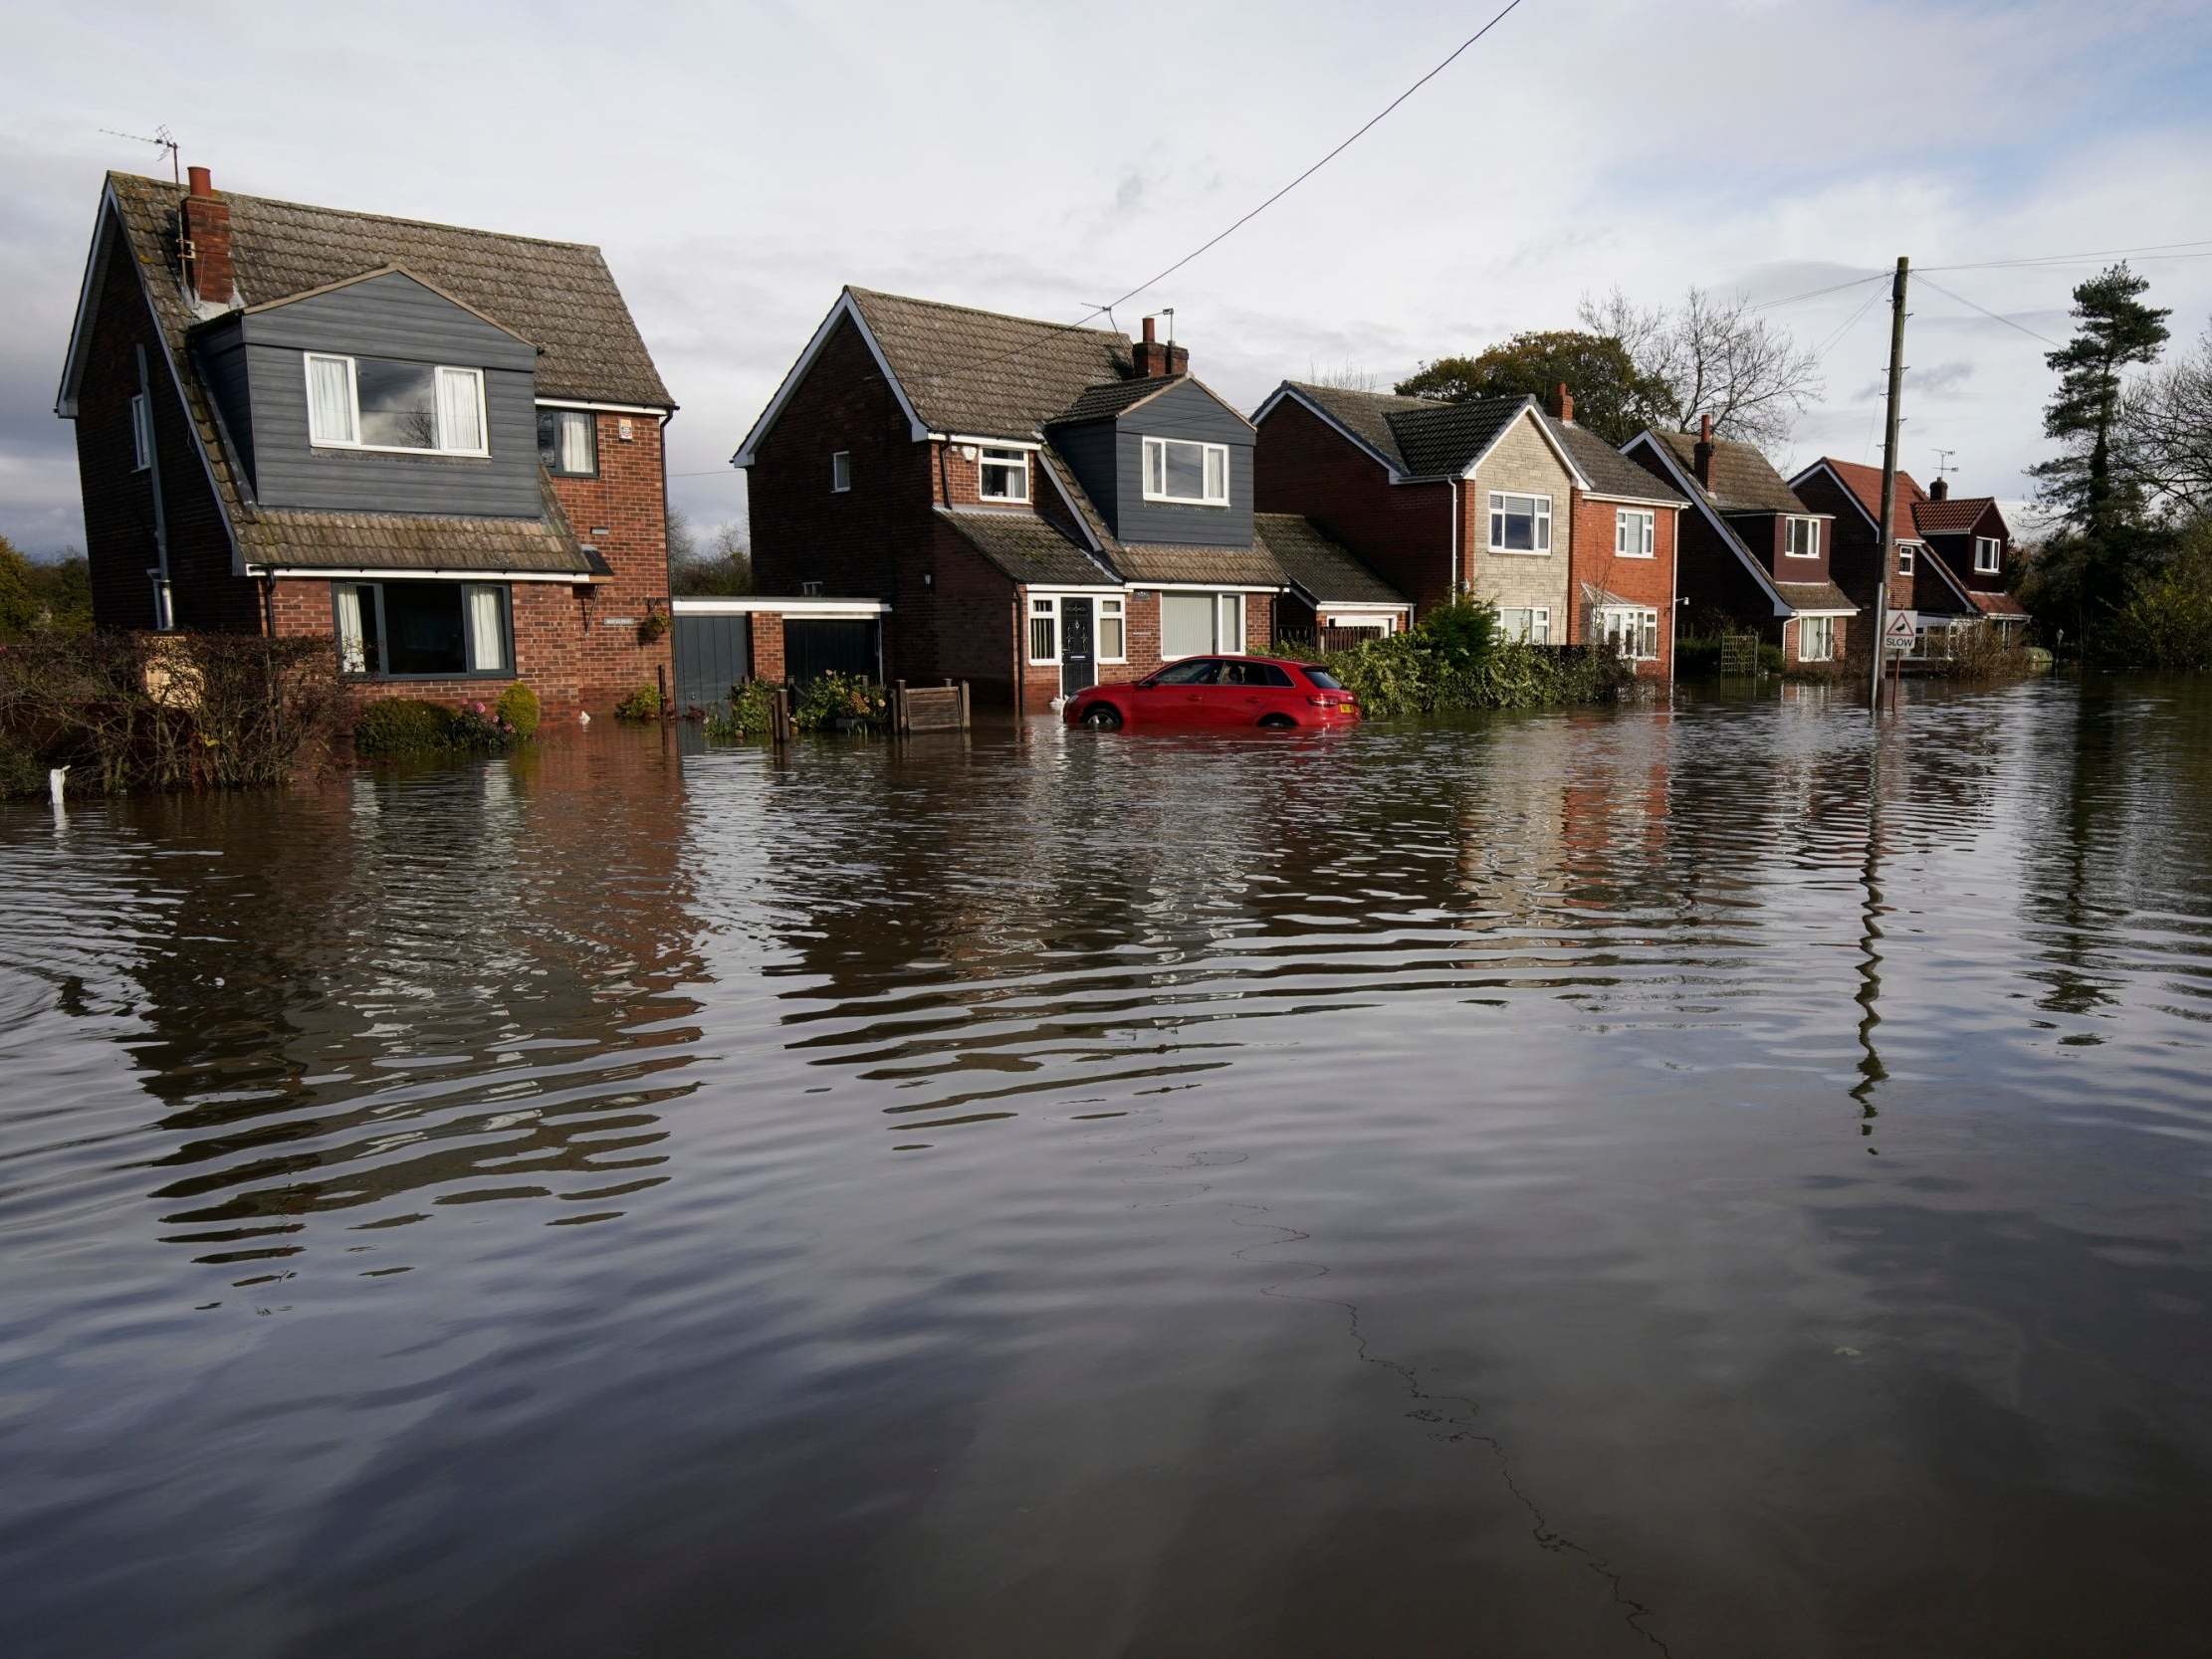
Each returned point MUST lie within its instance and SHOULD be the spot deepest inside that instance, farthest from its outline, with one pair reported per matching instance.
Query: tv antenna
(163, 138)
(1943, 461)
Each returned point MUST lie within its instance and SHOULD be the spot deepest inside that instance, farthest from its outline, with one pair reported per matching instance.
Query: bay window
(1004, 476)
(1193, 624)
(1988, 555)
(1635, 533)
(1630, 631)
(1519, 523)
(569, 441)
(424, 630)
(1179, 470)
(381, 403)
(1530, 624)
(1801, 538)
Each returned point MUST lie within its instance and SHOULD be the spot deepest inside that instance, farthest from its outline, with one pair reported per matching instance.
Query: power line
(1816, 292)
(1153, 281)
(1865, 307)
(1992, 315)
(2156, 249)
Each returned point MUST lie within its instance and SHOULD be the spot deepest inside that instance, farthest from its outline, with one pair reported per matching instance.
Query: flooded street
(1709, 1180)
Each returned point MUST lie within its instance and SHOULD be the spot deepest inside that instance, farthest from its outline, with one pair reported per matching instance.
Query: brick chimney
(206, 238)
(1561, 404)
(1940, 490)
(1156, 360)
(1701, 458)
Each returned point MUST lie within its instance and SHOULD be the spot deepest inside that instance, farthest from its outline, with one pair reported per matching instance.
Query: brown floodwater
(1724, 1181)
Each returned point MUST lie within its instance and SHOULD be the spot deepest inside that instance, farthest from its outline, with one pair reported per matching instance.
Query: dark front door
(1078, 658)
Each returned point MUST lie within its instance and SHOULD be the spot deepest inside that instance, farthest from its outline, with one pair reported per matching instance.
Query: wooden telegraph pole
(1888, 532)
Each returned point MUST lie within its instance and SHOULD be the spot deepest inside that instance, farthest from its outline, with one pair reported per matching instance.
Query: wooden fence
(929, 708)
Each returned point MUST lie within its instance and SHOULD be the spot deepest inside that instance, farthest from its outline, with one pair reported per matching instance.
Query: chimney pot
(1150, 337)
(200, 182)
(1701, 458)
(1562, 402)
(1940, 490)
(1704, 429)
(1154, 359)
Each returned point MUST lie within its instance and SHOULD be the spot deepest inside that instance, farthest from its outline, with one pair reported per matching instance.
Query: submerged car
(1220, 693)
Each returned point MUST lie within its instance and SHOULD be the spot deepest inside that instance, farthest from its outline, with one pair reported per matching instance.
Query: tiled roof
(1743, 479)
(1952, 517)
(1996, 604)
(1317, 567)
(1608, 470)
(1151, 561)
(559, 296)
(1113, 396)
(1815, 596)
(985, 373)
(1419, 438)
(1026, 548)
(1865, 484)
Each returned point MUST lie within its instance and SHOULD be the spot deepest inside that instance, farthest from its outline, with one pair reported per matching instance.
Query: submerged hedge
(1457, 658)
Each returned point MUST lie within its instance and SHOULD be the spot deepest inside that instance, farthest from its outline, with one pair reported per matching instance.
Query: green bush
(837, 700)
(519, 711)
(2167, 621)
(21, 772)
(403, 726)
(1456, 659)
(748, 715)
(644, 703)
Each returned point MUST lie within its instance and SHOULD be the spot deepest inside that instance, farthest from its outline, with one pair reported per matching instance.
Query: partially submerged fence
(929, 708)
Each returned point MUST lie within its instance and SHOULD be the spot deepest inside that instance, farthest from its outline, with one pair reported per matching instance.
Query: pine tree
(2113, 330)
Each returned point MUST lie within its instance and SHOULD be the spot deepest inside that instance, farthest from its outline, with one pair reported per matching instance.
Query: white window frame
(989, 458)
(1828, 649)
(1904, 558)
(1789, 538)
(1159, 447)
(1638, 526)
(308, 360)
(1115, 606)
(1639, 618)
(1048, 610)
(1541, 512)
(1996, 563)
(141, 433)
(1218, 600)
(1539, 616)
(840, 472)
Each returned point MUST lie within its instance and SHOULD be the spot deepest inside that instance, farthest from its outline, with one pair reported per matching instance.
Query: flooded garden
(1727, 1178)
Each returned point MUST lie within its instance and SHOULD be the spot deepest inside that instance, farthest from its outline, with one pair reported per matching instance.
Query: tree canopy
(1712, 355)
(2113, 330)
(37, 597)
(1610, 397)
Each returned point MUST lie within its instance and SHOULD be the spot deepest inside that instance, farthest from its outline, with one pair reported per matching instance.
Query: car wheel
(1278, 722)
(1102, 716)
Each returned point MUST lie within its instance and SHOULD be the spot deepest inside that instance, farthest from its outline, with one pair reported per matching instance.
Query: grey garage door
(713, 653)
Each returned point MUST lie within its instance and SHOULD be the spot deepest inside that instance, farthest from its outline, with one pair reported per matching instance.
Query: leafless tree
(2164, 441)
(1345, 377)
(1714, 355)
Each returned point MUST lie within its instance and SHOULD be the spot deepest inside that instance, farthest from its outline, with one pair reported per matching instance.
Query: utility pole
(1888, 532)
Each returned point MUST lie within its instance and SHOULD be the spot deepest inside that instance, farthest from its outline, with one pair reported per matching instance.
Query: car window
(1324, 679)
(1253, 674)
(1200, 671)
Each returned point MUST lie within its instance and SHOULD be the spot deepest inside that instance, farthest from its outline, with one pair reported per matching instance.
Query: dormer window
(1004, 476)
(380, 403)
(1179, 470)
(1801, 538)
(1904, 558)
(1989, 556)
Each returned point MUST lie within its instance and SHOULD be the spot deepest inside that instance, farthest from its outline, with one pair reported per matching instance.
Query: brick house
(1753, 554)
(1950, 554)
(1037, 507)
(1496, 498)
(440, 445)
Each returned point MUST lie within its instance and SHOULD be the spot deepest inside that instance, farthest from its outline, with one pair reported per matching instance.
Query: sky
(740, 163)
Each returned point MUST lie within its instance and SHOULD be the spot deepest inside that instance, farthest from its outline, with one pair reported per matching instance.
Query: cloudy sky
(737, 163)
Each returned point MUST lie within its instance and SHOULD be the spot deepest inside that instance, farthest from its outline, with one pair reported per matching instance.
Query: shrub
(2168, 622)
(20, 771)
(644, 703)
(172, 710)
(833, 700)
(748, 715)
(401, 726)
(1456, 659)
(519, 711)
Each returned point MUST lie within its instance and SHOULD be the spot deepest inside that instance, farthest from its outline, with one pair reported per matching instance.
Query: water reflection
(1031, 1190)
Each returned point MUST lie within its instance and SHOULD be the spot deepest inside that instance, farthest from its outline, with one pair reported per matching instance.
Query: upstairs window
(840, 472)
(1178, 470)
(1904, 558)
(1004, 476)
(1801, 538)
(1519, 523)
(569, 441)
(142, 433)
(380, 403)
(1988, 555)
(1635, 533)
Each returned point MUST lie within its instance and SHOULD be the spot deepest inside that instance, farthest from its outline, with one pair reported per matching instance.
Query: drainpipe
(1452, 588)
(164, 610)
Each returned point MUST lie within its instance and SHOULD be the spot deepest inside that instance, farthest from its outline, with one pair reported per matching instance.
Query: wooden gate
(1740, 653)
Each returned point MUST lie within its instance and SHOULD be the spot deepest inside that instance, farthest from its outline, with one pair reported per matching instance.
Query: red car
(1220, 693)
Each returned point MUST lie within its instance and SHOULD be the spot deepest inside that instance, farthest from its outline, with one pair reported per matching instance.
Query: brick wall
(1853, 550)
(1040, 682)
(1641, 581)
(120, 543)
(622, 512)
(1402, 531)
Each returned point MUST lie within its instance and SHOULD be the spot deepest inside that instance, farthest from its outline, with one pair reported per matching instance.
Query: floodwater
(1711, 1180)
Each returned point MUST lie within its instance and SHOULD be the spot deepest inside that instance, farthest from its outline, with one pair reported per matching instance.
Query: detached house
(1752, 550)
(1951, 555)
(439, 446)
(1496, 498)
(1032, 508)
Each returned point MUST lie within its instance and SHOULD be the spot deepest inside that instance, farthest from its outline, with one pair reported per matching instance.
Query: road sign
(1900, 630)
